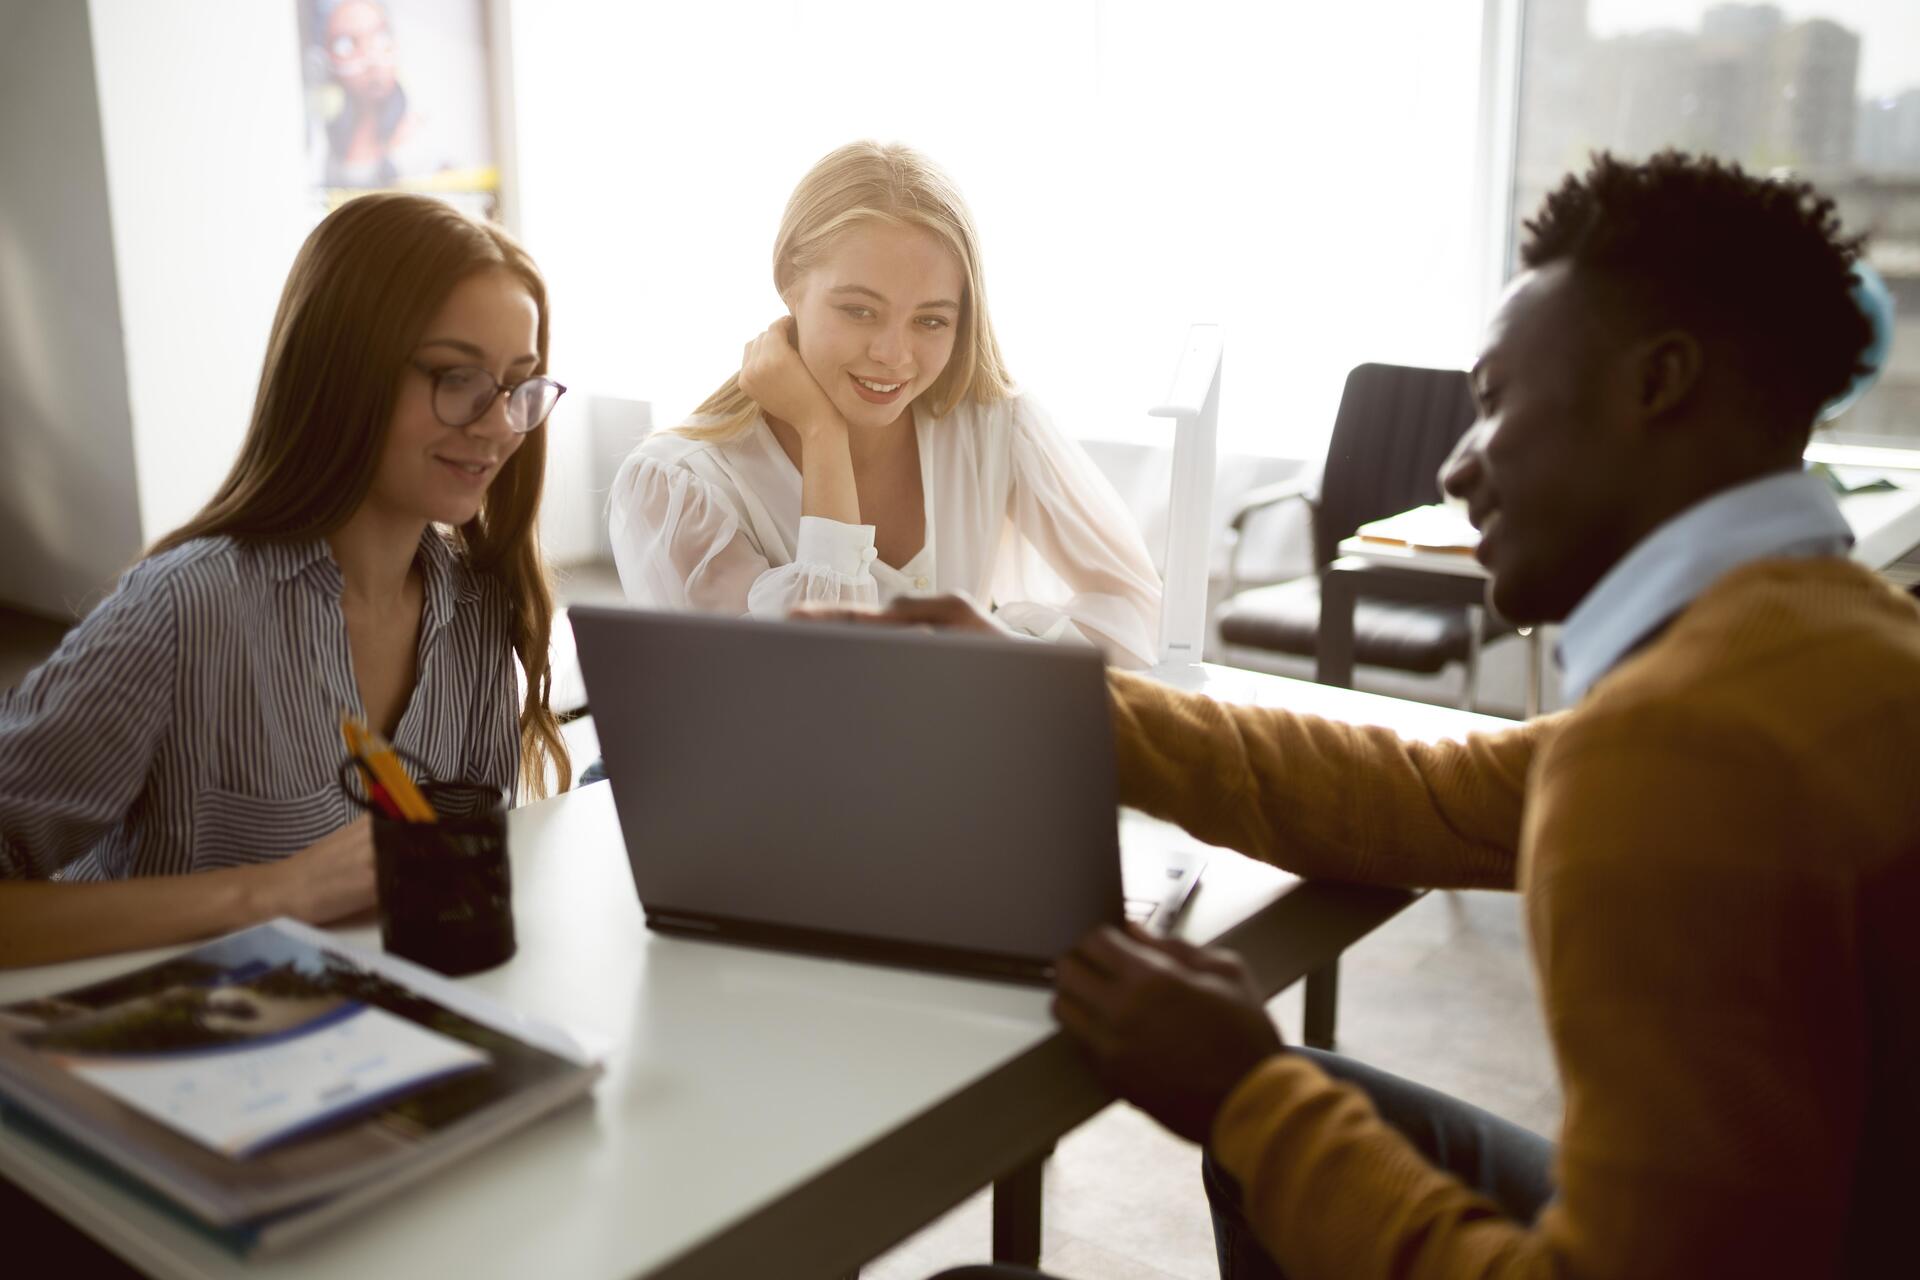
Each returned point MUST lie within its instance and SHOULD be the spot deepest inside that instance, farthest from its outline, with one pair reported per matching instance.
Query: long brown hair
(864, 183)
(362, 290)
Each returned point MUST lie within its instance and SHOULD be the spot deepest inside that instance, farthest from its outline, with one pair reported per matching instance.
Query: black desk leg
(1333, 652)
(1322, 997)
(1016, 1214)
(1333, 664)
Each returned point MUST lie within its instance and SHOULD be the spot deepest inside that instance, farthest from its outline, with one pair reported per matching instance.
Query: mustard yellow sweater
(1719, 850)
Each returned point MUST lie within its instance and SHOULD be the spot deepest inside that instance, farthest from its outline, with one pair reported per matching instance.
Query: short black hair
(1694, 242)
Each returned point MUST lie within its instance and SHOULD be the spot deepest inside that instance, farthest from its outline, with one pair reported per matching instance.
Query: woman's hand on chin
(772, 372)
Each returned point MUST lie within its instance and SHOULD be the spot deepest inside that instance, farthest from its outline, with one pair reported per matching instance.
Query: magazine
(274, 1080)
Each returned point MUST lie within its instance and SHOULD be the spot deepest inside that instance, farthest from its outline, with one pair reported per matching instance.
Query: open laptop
(943, 801)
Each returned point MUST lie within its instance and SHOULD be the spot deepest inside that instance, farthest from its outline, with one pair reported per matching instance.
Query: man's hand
(1171, 1027)
(942, 613)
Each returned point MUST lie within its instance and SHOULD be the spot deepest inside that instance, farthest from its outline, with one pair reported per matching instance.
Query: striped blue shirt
(192, 720)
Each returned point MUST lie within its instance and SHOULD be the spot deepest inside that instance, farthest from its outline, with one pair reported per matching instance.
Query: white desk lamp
(1194, 405)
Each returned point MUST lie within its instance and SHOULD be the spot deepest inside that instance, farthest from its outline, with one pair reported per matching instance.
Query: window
(1827, 88)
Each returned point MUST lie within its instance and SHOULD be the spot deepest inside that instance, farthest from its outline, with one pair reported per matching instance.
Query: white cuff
(844, 549)
(1037, 620)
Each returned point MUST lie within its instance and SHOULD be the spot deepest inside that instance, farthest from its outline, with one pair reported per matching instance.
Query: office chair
(1395, 426)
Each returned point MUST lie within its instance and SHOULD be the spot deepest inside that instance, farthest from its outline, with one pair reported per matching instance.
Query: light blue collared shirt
(1790, 513)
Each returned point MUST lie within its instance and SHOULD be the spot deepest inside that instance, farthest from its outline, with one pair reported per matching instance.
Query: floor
(1443, 994)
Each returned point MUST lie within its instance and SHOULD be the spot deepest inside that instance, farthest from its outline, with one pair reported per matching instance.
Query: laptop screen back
(942, 790)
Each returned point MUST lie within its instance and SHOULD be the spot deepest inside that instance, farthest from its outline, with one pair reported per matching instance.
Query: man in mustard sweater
(1719, 845)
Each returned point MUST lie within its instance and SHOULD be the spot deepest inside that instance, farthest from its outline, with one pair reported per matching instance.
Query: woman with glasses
(372, 551)
(873, 444)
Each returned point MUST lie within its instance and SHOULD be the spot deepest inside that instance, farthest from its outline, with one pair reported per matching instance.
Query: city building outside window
(1826, 89)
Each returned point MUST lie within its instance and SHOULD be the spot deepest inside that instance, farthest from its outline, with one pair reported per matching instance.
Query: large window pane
(1829, 89)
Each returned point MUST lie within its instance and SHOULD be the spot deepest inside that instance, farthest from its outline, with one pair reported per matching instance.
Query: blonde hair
(362, 290)
(860, 184)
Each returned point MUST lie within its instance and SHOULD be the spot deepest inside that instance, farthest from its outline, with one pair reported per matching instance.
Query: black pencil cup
(446, 890)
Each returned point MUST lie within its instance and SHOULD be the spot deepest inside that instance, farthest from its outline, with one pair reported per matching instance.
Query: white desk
(1886, 525)
(761, 1114)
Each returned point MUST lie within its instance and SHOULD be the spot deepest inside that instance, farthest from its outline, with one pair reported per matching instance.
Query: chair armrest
(1255, 501)
(1251, 504)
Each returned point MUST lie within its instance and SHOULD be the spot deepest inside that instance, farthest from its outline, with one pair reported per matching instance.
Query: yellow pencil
(387, 768)
(379, 757)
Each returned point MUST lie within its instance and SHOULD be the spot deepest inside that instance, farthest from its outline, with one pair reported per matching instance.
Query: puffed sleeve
(1065, 509)
(78, 735)
(679, 543)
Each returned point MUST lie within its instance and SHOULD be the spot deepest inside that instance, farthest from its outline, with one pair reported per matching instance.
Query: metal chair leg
(1535, 664)
(1470, 682)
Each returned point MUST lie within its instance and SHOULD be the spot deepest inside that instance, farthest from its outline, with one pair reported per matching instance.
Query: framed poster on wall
(400, 96)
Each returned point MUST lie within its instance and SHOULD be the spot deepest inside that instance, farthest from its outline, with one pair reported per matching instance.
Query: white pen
(1166, 917)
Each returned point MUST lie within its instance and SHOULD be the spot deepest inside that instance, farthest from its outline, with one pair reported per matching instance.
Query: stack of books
(273, 1082)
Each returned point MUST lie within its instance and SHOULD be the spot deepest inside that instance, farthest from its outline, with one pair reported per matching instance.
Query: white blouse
(1017, 516)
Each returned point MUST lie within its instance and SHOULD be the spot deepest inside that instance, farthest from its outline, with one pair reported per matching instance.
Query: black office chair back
(1395, 427)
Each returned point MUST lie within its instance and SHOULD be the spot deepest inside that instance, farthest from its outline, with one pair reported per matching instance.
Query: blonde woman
(373, 548)
(873, 444)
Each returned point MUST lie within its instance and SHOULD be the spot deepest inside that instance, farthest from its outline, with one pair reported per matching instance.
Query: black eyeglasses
(463, 394)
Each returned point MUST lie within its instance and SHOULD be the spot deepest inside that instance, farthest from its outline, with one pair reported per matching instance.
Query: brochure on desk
(274, 1081)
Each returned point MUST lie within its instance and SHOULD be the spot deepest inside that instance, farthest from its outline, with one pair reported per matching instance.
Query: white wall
(192, 120)
(69, 517)
(204, 132)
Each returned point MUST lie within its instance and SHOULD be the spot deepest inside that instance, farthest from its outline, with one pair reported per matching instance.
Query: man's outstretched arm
(1323, 798)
